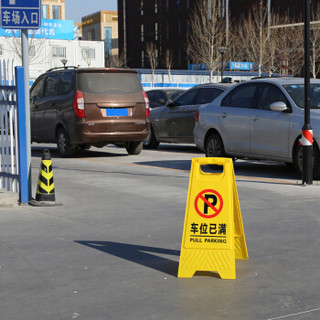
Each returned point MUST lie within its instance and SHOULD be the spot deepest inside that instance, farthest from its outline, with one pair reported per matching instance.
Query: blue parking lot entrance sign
(20, 14)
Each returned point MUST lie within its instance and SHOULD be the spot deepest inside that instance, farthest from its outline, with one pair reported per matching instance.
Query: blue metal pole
(22, 137)
(25, 64)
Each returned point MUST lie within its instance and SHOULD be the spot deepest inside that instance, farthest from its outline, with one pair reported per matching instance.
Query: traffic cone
(45, 193)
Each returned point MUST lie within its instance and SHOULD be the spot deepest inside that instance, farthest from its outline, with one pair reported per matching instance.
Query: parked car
(175, 121)
(260, 119)
(159, 97)
(78, 108)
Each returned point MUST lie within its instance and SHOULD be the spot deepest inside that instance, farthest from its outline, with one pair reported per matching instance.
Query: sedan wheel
(298, 160)
(151, 142)
(214, 146)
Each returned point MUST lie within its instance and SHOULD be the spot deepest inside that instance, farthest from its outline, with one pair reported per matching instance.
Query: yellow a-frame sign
(213, 235)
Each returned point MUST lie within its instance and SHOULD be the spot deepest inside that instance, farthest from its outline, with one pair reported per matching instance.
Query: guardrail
(15, 170)
(9, 154)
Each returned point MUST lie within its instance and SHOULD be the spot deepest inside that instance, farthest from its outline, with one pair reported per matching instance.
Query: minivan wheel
(298, 160)
(214, 146)
(64, 147)
(151, 142)
(134, 147)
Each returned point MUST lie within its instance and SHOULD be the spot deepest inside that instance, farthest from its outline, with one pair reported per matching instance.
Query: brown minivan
(78, 108)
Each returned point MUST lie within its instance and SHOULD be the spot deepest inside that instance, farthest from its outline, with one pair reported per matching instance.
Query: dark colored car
(175, 121)
(78, 108)
(159, 97)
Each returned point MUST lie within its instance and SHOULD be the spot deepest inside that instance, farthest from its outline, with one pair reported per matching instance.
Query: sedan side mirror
(279, 106)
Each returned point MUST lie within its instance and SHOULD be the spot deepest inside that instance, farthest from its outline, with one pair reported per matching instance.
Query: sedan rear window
(109, 83)
(241, 97)
(207, 95)
(296, 91)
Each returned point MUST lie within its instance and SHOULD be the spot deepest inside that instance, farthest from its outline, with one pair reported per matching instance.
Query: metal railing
(9, 155)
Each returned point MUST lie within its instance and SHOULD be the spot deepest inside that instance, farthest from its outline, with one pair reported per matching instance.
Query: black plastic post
(307, 170)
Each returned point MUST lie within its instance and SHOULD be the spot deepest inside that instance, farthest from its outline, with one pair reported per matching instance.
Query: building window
(88, 53)
(59, 52)
(142, 33)
(156, 6)
(293, 12)
(91, 34)
(1, 49)
(142, 59)
(55, 12)
(178, 3)
(45, 11)
(156, 31)
(107, 41)
(167, 5)
(141, 7)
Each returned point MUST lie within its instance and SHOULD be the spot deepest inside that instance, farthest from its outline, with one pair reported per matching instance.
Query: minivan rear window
(109, 83)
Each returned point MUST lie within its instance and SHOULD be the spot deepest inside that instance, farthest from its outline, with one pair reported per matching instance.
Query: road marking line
(294, 314)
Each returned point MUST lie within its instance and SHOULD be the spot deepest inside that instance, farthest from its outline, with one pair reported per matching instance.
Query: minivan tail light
(78, 104)
(146, 101)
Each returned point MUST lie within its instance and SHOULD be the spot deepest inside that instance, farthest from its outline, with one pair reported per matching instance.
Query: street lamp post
(64, 62)
(222, 50)
(272, 70)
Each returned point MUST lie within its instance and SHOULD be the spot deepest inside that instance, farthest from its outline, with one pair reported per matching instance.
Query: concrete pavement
(8, 199)
(111, 251)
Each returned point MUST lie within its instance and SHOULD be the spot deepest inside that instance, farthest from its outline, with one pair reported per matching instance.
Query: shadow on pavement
(260, 169)
(142, 255)
(176, 148)
(184, 165)
(265, 169)
(37, 152)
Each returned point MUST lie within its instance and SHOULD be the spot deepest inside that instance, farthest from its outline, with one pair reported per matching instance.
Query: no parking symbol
(208, 203)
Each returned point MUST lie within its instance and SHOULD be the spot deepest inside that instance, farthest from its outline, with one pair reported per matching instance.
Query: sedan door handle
(224, 115)
(255, 118)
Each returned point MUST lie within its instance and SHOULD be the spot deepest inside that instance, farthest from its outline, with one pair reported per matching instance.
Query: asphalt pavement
(111, 250)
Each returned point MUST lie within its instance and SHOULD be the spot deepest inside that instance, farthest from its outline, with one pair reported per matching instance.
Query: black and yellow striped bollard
(45, 193)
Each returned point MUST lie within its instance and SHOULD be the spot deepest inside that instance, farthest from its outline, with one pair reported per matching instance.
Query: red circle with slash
(201, 198)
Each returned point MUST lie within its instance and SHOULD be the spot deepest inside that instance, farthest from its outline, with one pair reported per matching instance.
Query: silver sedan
(260, 119)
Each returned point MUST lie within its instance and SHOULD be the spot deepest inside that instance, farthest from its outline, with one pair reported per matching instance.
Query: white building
(45, 54)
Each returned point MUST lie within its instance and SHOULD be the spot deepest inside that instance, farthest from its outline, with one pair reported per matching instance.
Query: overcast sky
(75, 9)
